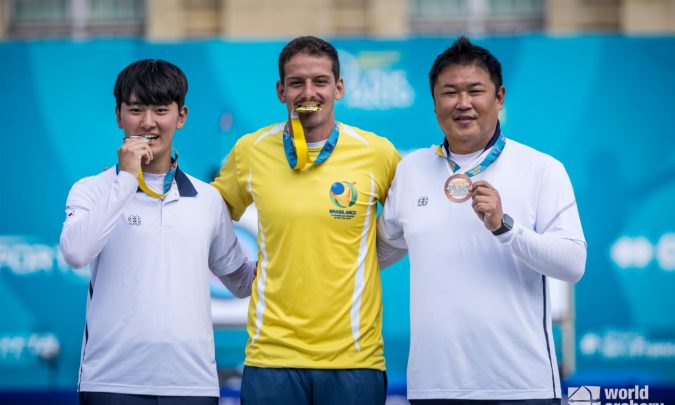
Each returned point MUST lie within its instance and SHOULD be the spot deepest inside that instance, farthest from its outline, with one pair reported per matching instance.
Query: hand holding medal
(134, 151)
(487, 204)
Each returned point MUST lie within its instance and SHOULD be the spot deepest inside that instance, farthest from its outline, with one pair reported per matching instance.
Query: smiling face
(309, 80)
(156, 122)
(467, 106)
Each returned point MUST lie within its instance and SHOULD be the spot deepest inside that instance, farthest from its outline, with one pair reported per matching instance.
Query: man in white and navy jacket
(486, 221)
(150, 233)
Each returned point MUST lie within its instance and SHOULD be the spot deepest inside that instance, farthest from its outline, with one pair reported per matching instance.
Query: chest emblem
(343, 194)
(134, 220)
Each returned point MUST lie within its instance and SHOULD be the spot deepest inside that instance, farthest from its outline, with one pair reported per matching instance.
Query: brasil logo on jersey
(343, 194)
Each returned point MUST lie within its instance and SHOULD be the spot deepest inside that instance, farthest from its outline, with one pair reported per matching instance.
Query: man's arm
(391, 245)
(548, 254)
(91, 216)
(227, 259)
(240, 281)
(232, 185)
(556, 248)
(92, 213)
(388, 254)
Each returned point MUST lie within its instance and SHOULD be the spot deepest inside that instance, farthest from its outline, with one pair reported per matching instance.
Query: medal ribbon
(295, 145)
(168, 178)
(494, 153)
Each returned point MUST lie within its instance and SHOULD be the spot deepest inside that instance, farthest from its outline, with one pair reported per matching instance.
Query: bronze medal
(457, 188)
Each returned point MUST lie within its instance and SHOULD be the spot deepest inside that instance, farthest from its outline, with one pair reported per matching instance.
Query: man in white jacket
(487, 221)
(150, 233)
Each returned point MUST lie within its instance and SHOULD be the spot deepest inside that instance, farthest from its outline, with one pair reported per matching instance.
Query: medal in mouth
(148, 138)
(307, 108)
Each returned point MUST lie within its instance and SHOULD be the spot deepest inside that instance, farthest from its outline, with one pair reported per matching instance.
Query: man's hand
(487, 204)
(132, 153)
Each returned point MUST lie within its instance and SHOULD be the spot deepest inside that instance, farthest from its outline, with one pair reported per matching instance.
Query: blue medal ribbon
(168, 178)
(291, 154)
(497, 143)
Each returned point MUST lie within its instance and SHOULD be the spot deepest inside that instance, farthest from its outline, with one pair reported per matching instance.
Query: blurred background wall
(264, 19)
(588, 81)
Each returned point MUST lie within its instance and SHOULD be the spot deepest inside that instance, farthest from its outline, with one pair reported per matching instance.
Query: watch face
(507, 221)
(507, 225)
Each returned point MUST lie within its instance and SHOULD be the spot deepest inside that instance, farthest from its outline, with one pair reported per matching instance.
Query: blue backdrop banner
(602, 105)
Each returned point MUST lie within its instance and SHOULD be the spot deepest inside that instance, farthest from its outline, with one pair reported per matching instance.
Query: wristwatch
(507, 225)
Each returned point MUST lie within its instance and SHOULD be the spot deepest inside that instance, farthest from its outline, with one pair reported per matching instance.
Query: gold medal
(457, 188)
(307, 108)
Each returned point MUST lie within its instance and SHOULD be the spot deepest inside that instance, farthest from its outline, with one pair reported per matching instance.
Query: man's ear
(281, 95)
(182, 116)
(118, 117)
(339, 89)
(501, 93)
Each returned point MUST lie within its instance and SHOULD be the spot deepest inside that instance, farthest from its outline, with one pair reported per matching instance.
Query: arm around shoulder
(227, 259)
(240, 281)
(230, 183)
(391, 245)
(387, 254)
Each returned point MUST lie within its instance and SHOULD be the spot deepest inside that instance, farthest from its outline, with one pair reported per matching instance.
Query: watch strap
(507, 225)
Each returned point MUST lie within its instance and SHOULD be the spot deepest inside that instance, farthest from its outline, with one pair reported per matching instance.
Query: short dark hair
(152, 82)
(463, 52)
(312, 46)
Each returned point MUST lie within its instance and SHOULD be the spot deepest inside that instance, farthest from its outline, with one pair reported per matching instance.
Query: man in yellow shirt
(315, 317)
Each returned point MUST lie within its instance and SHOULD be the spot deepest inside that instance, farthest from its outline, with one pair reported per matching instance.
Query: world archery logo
(343, 194)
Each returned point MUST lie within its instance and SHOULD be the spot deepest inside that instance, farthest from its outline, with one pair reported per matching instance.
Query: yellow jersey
(317, 298)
